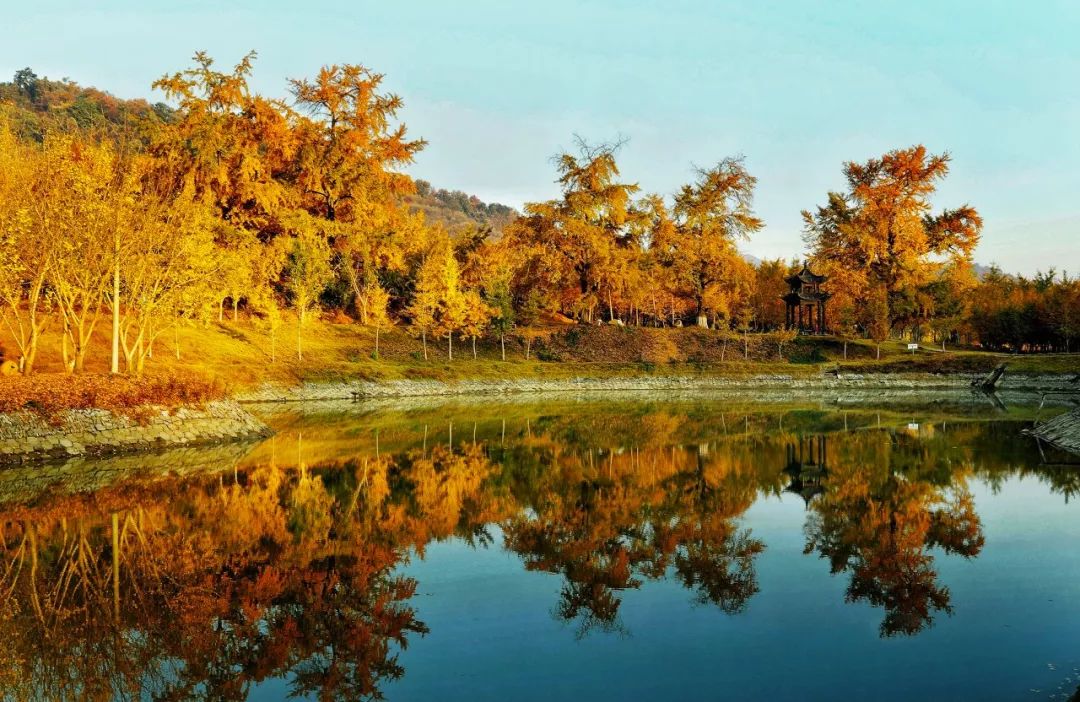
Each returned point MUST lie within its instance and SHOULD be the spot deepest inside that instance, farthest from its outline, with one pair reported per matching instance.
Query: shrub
(814, 355)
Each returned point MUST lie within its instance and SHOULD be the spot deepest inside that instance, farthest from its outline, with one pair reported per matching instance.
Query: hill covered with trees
(37, 105)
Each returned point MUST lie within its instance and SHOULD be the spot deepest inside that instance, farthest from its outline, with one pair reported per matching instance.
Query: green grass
(238, 355)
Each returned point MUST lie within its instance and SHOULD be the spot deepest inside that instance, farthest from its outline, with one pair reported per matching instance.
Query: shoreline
(29, 437)
(367, 389)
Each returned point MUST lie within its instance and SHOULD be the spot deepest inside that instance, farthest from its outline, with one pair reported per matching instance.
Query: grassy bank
(232, 356)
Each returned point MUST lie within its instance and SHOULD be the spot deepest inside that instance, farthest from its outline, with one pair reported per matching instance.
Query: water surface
(644, 548)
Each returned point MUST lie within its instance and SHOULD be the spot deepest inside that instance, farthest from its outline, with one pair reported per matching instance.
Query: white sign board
(912, 347)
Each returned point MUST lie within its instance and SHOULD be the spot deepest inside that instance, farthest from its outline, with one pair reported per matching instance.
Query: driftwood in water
(1062, 431)
(990, 380)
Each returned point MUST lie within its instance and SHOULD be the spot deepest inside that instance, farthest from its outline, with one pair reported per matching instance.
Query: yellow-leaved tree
(167, 252)
(880, 240)
(97, 195)
(307, 270)
(698, 245)
(30, 208)
(576, 248)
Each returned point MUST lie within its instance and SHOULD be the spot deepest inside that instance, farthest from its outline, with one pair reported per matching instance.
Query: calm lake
(648, 548)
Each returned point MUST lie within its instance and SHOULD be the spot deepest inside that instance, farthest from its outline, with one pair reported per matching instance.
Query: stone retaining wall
(27, 436)
(851, 381)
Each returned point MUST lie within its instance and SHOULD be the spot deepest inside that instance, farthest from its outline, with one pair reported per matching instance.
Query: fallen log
(989, 381)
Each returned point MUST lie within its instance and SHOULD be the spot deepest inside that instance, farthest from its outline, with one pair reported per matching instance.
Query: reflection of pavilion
(806, 466)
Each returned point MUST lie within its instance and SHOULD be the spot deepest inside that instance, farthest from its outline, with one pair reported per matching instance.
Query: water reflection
(287, 564)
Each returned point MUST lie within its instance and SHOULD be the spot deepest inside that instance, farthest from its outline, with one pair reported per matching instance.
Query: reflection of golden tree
(201, 593)
(880, 531)
(607, 520)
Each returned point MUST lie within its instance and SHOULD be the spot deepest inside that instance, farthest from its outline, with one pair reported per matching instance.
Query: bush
(814, 355)
(547, 355)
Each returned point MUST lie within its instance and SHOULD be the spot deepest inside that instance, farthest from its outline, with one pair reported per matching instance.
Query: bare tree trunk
(450, 347)
(300, 336)
(474, 348)
(528, 346)
(845, 349)
(31, 348)
(176, 338)
(423, 337)
(65, 338)
(140, 358)
(114, 367)
(377, 328)
(502, 345)
(235, 309)
(82, 342)
(878, 348)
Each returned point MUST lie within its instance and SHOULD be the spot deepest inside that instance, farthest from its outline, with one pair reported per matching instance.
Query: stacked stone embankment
(28, 436)
(845, 381)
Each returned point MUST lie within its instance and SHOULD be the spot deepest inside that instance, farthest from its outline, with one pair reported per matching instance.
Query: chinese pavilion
(806, 302)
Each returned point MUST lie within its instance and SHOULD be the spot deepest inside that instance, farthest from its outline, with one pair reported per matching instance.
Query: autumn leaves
(892, 261)
(278, 207)
(599, 253)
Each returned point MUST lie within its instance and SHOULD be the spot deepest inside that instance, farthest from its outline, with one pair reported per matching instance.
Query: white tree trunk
(115, 364)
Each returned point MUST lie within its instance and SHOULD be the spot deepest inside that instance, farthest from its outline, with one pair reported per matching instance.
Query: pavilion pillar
(821, 313)
(800, 317)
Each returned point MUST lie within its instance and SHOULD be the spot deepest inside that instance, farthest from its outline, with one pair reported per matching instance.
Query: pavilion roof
(805, 276)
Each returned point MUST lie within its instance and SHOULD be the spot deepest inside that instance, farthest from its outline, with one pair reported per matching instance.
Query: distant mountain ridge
(458, 211)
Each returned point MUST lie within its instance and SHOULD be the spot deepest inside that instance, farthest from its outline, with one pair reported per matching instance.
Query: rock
(26, 435)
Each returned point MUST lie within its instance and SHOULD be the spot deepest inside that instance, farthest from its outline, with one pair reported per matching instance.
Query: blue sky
(796, 87)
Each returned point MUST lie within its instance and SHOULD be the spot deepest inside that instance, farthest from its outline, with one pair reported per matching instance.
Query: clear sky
(497, 87)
